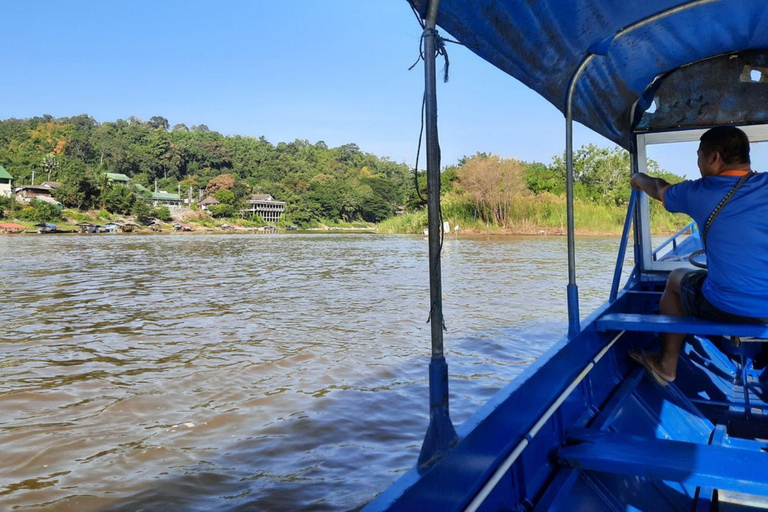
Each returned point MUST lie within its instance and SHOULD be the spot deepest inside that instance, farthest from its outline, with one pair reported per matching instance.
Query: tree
(119, 200)
(7, 205)
(222, 210)
(225, 197)
(492, 184)
(40, 211)
(79, 188)
(105, 186)
(162, 213)
(159, 122)
(50, 164)
(51, 137)
(222, 182)
(142, 212)
(600, 174)
(540, 178)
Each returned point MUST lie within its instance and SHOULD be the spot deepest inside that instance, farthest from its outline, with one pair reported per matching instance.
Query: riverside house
(264, 205)
(165, 199)
(27, 193)
(161, 198)
(5, 183)
(208, 202)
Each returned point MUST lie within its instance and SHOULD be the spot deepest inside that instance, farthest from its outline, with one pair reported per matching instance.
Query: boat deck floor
(692, 445)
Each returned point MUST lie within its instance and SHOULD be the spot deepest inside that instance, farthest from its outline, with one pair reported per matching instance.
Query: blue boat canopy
(701, 63)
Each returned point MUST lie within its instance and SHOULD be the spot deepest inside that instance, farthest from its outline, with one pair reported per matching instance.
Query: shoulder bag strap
(720, 206)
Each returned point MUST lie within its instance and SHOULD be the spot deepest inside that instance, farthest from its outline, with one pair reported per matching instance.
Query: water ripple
(252, 372)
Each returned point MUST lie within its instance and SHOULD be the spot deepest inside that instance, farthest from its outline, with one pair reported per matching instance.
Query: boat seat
(701, 465)
(737, 333)
(681, 324)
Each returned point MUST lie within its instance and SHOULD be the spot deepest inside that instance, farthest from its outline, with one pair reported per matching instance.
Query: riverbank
(532, 216)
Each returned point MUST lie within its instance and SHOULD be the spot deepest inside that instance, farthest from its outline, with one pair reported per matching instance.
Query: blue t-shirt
(737, 240)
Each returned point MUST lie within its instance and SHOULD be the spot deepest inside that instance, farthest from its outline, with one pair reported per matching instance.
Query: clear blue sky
(333, 70)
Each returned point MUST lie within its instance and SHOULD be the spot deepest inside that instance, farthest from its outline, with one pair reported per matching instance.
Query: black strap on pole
(441, 435)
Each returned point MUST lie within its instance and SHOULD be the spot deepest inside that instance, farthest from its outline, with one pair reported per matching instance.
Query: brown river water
(253, 372)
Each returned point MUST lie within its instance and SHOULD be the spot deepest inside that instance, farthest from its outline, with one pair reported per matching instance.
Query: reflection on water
(276, 372)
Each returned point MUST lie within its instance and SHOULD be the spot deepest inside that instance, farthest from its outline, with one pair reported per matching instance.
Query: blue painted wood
(661, 459)
(684, 324)
(706, 495)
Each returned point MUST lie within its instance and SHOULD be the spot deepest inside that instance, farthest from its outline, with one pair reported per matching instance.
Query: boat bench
(680, 324)
(701, 465)
(738, 334)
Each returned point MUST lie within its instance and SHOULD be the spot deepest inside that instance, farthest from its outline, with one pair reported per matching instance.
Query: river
(254, 372)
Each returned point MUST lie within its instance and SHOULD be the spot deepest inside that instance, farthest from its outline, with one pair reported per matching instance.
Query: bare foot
(651, 361)
(654, 361)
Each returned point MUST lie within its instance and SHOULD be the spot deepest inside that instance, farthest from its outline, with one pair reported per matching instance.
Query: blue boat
(584, 428)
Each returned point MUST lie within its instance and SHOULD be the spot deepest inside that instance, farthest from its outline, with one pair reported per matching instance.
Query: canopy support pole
(574, 323)
(441, 435)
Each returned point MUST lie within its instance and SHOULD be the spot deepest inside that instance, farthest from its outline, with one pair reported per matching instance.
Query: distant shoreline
(497, 232)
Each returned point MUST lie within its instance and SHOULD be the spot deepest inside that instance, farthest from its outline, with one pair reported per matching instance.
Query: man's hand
(654, 187)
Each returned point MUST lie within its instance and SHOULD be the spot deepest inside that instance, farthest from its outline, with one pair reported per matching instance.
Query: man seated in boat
(734, 289)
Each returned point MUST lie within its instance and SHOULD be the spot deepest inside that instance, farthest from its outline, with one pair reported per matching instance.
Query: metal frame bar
(623, 247)
(573, 291)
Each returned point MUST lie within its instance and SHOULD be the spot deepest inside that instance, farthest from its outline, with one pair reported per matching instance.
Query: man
(735, 286)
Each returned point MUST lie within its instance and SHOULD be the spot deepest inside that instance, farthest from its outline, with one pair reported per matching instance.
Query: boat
(89, 227)
(45, 228)
(584, 427)
(10, 228)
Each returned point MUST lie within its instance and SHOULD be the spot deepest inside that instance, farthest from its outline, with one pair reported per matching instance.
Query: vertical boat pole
(574, 323)
(440, 434)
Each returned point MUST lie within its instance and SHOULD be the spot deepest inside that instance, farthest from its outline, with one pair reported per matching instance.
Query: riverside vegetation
(341, 186)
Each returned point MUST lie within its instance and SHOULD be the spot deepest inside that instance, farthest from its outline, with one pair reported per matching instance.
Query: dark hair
(729, 141)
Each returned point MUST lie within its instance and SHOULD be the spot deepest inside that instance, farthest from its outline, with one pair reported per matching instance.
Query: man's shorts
(696, 304)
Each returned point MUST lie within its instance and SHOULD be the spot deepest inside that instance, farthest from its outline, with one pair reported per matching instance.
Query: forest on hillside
(318, 183)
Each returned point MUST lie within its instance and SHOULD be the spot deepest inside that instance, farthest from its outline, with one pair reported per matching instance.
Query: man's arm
(654, 187)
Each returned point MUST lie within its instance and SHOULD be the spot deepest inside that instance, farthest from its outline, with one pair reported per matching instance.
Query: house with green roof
(161, 198)
(166, 199)
(116, 177)
(5, 183)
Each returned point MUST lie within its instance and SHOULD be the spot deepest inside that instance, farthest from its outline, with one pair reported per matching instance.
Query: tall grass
(531, 214)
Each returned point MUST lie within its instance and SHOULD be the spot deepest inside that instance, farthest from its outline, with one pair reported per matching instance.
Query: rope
(418, 151)
(440, 50)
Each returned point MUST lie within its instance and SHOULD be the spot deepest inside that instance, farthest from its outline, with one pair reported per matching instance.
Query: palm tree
(105, 186)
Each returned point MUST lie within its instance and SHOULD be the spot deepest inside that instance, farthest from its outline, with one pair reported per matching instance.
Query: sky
(332, 70)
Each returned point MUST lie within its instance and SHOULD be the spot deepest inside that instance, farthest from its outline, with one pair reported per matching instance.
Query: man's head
(723, 148)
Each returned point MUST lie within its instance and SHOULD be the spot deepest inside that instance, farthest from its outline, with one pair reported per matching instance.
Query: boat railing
(690, 229)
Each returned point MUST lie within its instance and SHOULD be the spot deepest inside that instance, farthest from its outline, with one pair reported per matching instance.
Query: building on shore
(208, 202)
(6, 190)
(165, 199)
(264, 205)
(120, 179)
(28, 193)
(51, 185)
